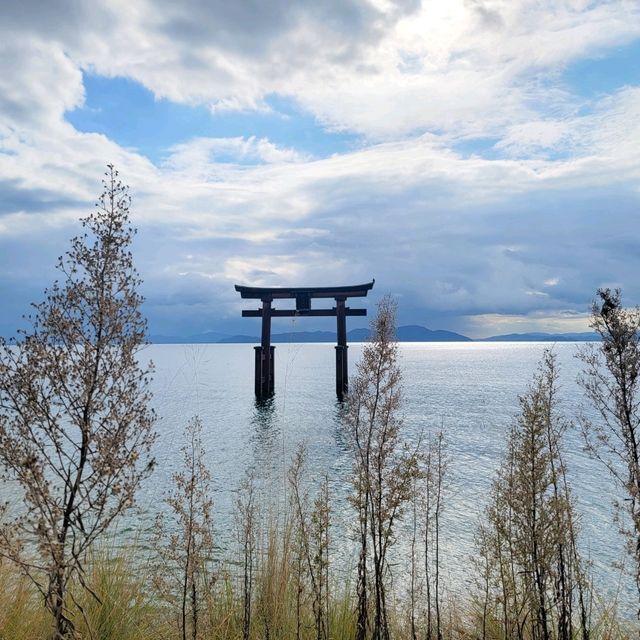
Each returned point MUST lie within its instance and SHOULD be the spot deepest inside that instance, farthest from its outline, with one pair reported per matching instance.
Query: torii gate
(264, 354)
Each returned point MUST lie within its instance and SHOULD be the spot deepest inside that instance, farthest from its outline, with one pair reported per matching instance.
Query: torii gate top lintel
(350, 291)
(264, 374)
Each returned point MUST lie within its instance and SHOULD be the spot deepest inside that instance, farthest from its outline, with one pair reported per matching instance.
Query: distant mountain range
(208, 337)
(407, 333)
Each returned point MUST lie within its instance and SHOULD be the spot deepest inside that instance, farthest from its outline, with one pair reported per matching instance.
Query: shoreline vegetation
(76, 435)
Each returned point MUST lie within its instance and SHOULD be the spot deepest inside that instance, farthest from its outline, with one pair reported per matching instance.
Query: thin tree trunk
(298, 595)
(427, 568)
(505, 590)
(437, 538)
(414, 523)
(247, 584)
(485, 604)
(539, 578)
(63, 626)
(361, 625)
(194, 609)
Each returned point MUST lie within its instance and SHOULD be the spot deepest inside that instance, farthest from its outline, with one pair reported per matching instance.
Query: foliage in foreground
(384, 469)
(131, 609)
(75, 423)
(611, 381)
(280, 583)
(533, 577)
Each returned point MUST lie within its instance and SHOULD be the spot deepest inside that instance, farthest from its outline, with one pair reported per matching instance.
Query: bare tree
(383, 468)
(428, 493)
(434, 475)
(611, 381)
(320, 539)
(246, 525)
(75, 423)
(186, 542)
(533, 577)
(312, 525)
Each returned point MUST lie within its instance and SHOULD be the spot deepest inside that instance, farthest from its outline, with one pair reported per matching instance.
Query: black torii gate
(265, 353)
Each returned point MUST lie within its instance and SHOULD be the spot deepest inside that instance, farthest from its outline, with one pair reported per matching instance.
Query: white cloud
(470, 77)
(485, 325)
(534, 136)
(38, 83)
(466, 67)
(200, 155)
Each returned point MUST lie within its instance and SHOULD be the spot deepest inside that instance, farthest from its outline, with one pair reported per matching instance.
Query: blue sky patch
(605, 74)
(129, 114)
(482, 147)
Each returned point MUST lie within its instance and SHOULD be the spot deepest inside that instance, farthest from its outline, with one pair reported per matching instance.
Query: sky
(479, 158)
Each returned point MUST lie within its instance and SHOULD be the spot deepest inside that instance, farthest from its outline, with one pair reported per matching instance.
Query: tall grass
(123, 603)
(127, 606)
(22, 614)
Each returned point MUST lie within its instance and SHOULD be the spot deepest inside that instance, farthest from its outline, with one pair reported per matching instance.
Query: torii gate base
(342, 371)
(265, 353)
(265, 377)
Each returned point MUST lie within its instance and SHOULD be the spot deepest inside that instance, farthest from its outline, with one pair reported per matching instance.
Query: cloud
(529, 225)
(38, 83)
(20, 198)
(201, 154)
(482, 326)
(475, 67)
(536, 136)
(468, 78)
(453, 234)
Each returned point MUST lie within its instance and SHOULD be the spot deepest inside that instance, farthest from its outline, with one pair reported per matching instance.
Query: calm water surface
(470, 391)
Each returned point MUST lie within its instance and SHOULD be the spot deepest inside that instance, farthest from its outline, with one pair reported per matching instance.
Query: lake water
(469, 390)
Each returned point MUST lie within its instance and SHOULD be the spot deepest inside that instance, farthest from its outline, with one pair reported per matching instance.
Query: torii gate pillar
(265, 356)
(264, 381)
(342, 366)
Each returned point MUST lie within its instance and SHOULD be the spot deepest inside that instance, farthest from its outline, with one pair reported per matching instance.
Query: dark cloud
(487, 261)
(253, 26)
(490, 17)
(18, 197)
(63, 20)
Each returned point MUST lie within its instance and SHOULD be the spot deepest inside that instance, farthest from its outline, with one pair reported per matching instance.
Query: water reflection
(264, 408)
(265, 429)
(268, 463)
(339, 426)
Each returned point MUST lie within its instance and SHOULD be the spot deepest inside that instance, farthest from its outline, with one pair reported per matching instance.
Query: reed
(129, 608)
(22, 614)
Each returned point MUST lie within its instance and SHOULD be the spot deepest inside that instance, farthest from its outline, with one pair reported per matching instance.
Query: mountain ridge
(405, 333)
